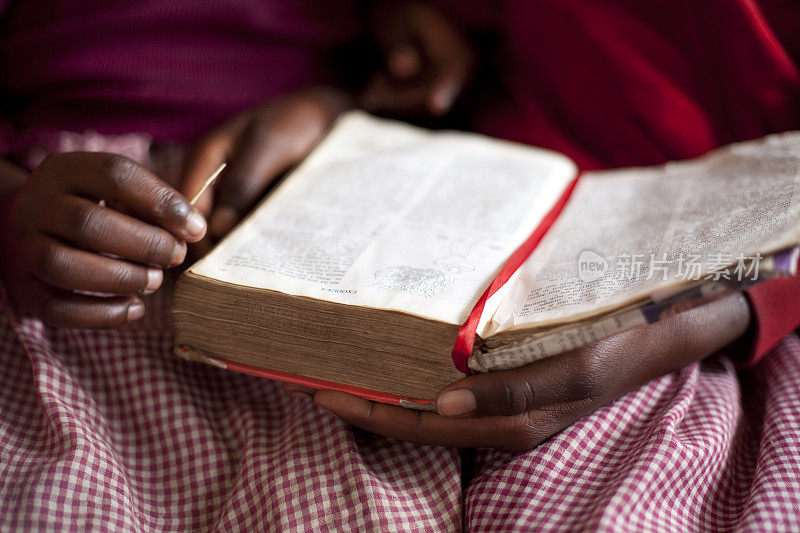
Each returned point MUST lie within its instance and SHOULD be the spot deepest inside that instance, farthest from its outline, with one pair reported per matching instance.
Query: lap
(706, 448)
(110, 429)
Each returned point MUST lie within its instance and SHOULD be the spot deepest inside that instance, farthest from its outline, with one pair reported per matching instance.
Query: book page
(389, 216)
(626, 234)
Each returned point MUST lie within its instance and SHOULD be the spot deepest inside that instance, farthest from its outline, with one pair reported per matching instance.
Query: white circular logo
(591, 266)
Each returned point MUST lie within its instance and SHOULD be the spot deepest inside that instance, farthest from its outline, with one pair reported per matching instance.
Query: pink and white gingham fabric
(110, 431)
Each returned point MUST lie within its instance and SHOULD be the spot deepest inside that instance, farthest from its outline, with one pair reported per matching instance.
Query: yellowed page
(735, 202)
(389, 216)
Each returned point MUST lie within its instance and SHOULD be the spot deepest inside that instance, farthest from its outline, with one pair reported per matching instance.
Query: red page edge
(465, 341)
(314, 383)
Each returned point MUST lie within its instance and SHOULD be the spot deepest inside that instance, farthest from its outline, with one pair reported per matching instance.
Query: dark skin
(518, 409)
(72, 212)
(55, 236)
(427, 63)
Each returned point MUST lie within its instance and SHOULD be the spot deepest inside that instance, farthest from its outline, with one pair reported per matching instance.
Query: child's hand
(427, 62)
(518, 409)
(59, 237)
(259, 145)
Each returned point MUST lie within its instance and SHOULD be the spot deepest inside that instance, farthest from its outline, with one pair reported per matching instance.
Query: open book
(360, 269)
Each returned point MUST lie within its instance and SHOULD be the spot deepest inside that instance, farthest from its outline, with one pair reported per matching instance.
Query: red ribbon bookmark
(466, 334)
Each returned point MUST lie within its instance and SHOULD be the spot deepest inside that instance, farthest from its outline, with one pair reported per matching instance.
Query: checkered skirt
(107, 430)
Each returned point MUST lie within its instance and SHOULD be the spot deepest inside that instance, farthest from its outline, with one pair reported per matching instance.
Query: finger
(604, 370)
(71, 269)
(260, 156)
(449, 56)
(120, 181)
(67, 309)
(205, 159)
(100, 229)
(446, 88)
(393, 37)
(383, 95)
(436, 95)
(521, 432)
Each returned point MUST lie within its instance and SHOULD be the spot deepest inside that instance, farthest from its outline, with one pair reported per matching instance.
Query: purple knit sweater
(169, 68)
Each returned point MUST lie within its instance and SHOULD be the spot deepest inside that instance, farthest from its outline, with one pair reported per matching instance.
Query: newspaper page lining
(390, 216)
(645, 228)
(554, 341)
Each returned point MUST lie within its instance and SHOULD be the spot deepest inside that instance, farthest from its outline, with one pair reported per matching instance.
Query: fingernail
(298, 394)
(154, 278)
(223, 220)
(179, 254)
(443, 100)
(456, 402)
(135, 311)
(195, 224)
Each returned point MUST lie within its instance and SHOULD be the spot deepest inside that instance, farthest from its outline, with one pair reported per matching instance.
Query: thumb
(509, 392)
(605, 369)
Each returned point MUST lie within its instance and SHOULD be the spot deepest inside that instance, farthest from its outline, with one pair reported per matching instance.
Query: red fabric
(616, 83)
(622, 82)
(776, 312)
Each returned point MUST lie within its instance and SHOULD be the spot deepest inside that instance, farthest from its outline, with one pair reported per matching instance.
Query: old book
(361, 268)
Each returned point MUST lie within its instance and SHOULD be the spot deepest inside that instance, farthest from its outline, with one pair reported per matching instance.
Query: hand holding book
(517, 409)
(360, 271)
(259, 145)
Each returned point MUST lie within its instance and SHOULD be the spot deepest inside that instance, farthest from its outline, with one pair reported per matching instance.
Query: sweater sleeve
(776, 312)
